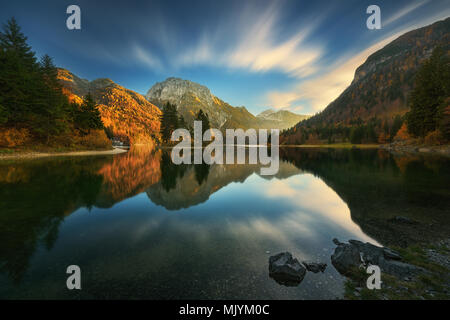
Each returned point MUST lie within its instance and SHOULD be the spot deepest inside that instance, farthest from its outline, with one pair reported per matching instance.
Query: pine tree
(19, 74)
(432, 87)
(169, 121)
(88, 117)
(203, 117)
(51, 114)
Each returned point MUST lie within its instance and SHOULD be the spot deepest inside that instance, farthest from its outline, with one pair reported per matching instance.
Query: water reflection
(142, 227)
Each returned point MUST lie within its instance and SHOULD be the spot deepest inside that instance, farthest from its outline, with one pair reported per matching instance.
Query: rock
(345, 258)
(315, 267)
(401, 219)
(356, 253)
(391, 254)
(286, 270)
(399, 269)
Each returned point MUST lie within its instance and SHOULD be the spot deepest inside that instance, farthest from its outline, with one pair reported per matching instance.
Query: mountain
(190, 97)
(126, 114)
(187, 189)
(381, 85)
(286, 118)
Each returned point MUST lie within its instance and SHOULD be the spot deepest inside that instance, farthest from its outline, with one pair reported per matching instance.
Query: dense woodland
(427, 121)
(33, 109)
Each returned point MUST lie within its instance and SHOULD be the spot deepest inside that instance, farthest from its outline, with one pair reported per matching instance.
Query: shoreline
(333, 146)
(414, 149)
(36, 155)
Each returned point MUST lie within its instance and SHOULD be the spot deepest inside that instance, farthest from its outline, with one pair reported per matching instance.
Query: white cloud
(403, 12)
(146, 58)
(323, 89)
(255, 46)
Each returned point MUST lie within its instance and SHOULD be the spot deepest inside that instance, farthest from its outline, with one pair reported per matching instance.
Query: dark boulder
(286, 270)
(345, 258)
(357, 253)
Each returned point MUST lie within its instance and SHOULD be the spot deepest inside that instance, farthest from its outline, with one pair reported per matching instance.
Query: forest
(34, 112)
(427, 121)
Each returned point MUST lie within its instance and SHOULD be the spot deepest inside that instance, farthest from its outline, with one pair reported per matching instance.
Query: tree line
(31, 96)
(375, 130)
(430, 99)
(172, 120)
(428, 118)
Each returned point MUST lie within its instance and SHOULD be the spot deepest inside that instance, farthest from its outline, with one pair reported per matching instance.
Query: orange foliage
(125, 113)
(402, 134)
(12, 137)
(131, 173)
(96, 139)
(128, 115)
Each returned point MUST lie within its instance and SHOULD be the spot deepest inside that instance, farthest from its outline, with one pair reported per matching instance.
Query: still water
(140, 227)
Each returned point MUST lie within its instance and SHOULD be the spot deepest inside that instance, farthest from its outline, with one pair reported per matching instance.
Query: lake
(140, 227)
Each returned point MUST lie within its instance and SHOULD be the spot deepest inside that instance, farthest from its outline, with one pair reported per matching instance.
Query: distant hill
(285, 118)
(382, 84)
(126, 114)
(190, 97)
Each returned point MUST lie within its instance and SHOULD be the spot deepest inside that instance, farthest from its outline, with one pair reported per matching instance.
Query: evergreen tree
(203, 117)
(51, 108)
(31, 95)
(169, 121)
(19, 74)
(88, 117)
(432, 87)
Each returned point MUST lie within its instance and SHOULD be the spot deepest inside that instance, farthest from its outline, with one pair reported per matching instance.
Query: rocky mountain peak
(175, 90)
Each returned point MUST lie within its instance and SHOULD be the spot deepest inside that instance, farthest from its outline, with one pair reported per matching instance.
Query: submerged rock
(315, 267)
(286, 270)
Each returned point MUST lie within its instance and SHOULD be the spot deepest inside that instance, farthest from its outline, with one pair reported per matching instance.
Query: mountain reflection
(36, 196)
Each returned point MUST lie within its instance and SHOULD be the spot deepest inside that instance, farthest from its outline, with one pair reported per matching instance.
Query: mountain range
(133, 118)
(381, 85)
(190, 97)
(379, 90)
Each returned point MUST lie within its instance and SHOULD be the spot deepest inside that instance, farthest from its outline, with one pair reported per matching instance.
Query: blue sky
(296, 55)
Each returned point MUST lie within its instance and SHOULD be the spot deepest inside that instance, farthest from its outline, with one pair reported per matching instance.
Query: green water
(140, 227)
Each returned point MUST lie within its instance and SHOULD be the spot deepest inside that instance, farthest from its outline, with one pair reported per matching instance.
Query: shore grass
(37, 152)
(429, 285)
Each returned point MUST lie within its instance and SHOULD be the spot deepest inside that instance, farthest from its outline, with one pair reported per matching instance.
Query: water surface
(140, 227)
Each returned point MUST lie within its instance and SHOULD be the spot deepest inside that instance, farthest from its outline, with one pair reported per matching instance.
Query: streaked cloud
(324, 88)
(403, 12)
(146, 58)
(257, 45)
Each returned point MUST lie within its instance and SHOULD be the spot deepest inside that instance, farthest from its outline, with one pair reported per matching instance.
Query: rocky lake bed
(415, 272)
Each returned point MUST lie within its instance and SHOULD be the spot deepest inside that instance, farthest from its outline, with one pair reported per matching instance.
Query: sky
(288, 54)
